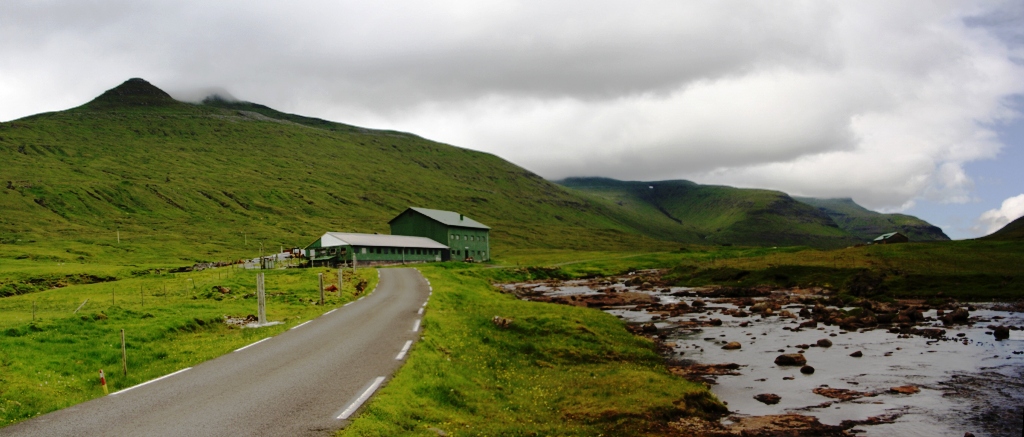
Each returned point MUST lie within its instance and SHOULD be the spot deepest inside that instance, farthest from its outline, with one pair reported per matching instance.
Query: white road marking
(416, 326)
(361, 399)
(331, 311)
(150, 381)
(405, 349)
(301, 324)
(420, 311)
(253, 344)
(350, 303)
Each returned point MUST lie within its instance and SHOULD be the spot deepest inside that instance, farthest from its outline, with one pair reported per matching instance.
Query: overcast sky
(908, 106)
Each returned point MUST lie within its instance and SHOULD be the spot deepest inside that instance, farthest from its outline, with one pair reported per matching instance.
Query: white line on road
(362, 398)
(251, 345)
(416, 326)
(149, 382)
(420, 311)
(301, 324)
(405, 349)
(331, 311)
(350, 303)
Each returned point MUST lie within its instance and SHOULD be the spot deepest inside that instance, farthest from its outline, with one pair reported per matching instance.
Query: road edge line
(148, 382)
(347, 412)
(252, 344)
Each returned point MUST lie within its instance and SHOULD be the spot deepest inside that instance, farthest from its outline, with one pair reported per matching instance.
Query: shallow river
(970, 382)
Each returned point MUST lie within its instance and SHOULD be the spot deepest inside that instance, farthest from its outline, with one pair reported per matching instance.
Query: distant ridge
(1012, 231)
(867, 224)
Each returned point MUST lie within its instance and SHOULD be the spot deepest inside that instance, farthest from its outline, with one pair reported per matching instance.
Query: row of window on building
(396, 251)
(469, 237)
(476, 254)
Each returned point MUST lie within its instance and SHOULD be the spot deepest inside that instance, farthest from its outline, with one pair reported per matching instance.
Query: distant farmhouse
(891, 238)
(417, 235)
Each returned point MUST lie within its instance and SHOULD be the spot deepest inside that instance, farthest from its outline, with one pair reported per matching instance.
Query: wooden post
(340, 271)
(142, 297)
(33, 311)
(124, 355)
(321, 275)
(111, 296)
(261, 299)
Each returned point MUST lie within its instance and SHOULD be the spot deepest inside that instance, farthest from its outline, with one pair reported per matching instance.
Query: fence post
(124, 355)
(261, 298)
(321, 276)
(340, 271)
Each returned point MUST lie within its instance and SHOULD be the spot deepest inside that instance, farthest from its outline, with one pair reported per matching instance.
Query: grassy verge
(170, 322)
(555, 370)
(966, 270)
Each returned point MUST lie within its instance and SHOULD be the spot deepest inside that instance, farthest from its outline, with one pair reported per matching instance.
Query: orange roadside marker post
(103, 382)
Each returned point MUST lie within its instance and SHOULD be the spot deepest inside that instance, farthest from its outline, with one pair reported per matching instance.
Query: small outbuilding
(339, 248)
(891, 238)
(465, 238)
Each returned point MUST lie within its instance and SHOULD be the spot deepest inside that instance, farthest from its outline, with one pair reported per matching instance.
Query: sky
(912, 107)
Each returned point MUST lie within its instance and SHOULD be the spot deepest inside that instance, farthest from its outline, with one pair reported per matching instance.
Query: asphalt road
(296, 383)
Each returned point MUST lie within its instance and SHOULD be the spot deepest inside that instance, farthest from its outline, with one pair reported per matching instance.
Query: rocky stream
(803, 362)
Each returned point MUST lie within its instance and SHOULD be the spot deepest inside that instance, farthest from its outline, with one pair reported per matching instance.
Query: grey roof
(885, 236)
(331, 239)
(449, 218)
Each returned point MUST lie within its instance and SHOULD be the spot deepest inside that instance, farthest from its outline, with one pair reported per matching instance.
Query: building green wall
(463, 242)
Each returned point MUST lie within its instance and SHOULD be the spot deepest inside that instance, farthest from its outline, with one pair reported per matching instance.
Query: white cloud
(994, 219)
(877, 100)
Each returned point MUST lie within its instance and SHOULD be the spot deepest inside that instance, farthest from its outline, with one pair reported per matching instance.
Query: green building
(338, 248)
(465, 238)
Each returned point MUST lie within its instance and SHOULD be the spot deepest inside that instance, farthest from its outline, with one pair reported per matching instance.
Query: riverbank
(872, 368)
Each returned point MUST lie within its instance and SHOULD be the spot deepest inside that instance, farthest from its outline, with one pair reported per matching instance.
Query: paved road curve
(296, 383)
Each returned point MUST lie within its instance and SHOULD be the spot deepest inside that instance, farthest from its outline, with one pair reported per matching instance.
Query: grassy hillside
(1012, 231)
(867, 225)
(179, 183)
(716, 214)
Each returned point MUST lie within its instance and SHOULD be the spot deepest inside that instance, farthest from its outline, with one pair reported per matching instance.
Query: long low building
(335, 248)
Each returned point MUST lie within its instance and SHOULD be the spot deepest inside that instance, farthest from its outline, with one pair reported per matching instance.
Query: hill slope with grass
(867, 225)
(136, 175)
(717, 214)
(1012, 231)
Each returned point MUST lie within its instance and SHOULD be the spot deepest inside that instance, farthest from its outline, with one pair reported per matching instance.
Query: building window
(362, 250)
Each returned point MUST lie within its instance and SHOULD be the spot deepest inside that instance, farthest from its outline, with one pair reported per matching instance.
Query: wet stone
(768, 398)
(790, 360)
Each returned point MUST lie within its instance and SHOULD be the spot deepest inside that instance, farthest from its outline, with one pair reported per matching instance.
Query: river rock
(1001, 332)
(809, 324)
(768, 398)
(733, 345)
(857, 354)
(648, 328)
(807, 370)
(824, 343)
(958, 316)
(904, 390)
(790, 360)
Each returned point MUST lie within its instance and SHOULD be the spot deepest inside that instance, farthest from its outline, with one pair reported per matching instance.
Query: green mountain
(1012, 231)
(135, 172)
(136, 175)
(714, 214)
(867, 225)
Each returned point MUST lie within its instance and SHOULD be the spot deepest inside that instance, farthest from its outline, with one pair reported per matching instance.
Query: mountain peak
(133, 92)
